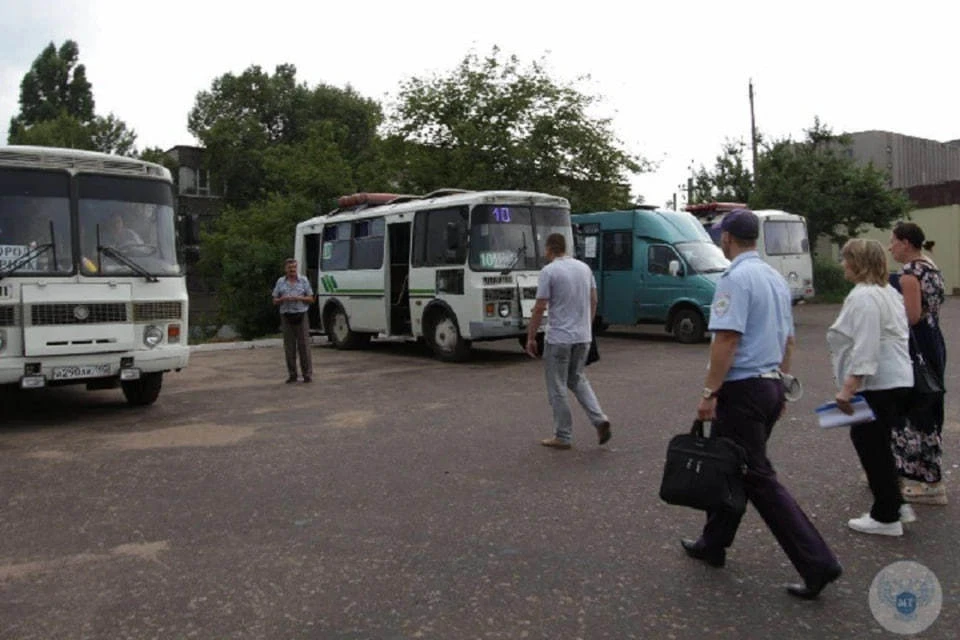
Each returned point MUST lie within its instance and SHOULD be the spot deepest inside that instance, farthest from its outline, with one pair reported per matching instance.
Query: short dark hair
(557, 243)
(289, 261)
(912, 233)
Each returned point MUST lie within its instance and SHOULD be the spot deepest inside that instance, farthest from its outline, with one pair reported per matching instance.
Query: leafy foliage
(729, 181)
(56, 107)
(247, 122)
(816, 179)
(55, 85)
(492, 125)
(246, 253)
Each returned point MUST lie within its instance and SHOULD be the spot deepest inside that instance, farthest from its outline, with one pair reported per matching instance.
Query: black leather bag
(593, 354)
(704, 473)
(927, 385)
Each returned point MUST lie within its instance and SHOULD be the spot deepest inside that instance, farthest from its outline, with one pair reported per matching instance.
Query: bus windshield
(703, 257)
(34, 222)
(127, 227)
(512, 237)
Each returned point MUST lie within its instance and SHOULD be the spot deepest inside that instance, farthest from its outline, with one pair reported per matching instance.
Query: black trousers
(746, 412)
(872, 442)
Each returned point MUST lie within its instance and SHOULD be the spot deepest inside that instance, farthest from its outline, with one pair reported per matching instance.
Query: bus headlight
(504, 309)
(152, 336)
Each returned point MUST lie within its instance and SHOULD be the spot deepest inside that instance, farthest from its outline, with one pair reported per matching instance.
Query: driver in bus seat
(117, 234)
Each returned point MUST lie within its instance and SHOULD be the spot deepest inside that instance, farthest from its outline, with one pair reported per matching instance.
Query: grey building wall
(908, 160)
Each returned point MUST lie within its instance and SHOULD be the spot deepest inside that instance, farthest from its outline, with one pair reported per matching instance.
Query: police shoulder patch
(721, 305)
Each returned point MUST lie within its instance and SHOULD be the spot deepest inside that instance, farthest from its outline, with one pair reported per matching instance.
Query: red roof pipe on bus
(714, 207)
(372, 199)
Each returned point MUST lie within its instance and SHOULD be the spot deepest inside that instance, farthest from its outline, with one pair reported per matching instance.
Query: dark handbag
(927, 385)
(704, 473)
(593, 354)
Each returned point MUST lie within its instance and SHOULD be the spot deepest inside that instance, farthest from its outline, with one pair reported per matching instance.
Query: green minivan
(652, 266)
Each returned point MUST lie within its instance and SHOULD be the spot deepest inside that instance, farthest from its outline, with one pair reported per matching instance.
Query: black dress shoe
(291, 379)
(713, 557)
(812, 588)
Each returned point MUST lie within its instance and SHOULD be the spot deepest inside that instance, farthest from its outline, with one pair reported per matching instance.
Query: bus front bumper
(100, 369)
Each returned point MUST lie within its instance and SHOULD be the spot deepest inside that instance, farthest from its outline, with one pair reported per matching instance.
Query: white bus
(91, 288)
(783, 242)
(451, 267)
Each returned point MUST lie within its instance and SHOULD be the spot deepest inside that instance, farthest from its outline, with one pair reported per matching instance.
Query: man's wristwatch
(709, 393)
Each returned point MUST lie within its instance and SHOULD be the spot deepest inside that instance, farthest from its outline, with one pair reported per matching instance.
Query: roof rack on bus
(714, 207)
(439, 193)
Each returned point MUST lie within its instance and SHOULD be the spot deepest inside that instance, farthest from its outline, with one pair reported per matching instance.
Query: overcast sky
(673, 75)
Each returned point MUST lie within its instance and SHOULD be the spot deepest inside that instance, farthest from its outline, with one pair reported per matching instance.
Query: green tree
(491, 124)
(728, 181)
(54, 85)
(246, 252)
(244, 120)
(817, 179)
(111, 135)
(57, 107)
(62, 131)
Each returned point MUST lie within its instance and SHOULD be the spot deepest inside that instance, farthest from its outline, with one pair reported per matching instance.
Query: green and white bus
(451, 268)
(91, 288)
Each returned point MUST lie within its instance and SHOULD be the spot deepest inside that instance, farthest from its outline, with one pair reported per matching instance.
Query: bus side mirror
(674, 268)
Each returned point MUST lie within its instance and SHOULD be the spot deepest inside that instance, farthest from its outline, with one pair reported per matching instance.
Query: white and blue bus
(451, 267)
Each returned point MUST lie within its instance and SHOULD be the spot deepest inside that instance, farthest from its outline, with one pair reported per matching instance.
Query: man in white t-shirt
(568, 289)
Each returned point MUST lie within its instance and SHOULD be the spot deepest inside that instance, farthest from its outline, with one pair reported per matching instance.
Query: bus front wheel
(688, 326)
(143, 392)
(443, 337)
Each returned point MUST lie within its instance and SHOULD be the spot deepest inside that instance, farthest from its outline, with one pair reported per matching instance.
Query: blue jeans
(563, 365)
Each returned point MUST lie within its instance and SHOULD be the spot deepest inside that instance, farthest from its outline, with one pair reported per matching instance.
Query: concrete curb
(270, 343)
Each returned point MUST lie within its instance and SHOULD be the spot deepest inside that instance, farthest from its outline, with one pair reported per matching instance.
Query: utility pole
(753, 133)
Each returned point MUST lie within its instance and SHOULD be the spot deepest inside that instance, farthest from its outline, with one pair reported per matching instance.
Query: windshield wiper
(115, 254)
(521, 253)
(35, 252)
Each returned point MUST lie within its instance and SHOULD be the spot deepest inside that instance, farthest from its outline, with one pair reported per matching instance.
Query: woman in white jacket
(869, 352)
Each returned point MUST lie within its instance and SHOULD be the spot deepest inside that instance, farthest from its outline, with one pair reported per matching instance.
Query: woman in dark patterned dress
(917, 444)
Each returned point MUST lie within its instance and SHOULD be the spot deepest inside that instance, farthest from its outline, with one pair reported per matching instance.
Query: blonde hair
(867, 261)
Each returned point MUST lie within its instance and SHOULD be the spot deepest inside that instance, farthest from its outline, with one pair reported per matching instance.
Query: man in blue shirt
(293, 294)
(743, 396)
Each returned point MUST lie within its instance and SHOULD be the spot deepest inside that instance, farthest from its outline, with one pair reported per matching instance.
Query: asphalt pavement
(401, 497)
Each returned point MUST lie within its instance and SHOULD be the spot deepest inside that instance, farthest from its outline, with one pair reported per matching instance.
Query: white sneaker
(866, 524)
(907, 514)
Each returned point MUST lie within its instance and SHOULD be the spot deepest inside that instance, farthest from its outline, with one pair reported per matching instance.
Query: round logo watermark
(905, 597)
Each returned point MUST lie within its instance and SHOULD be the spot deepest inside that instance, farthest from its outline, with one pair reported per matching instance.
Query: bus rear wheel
(443, 337)
(688, 326)
(143, 392)
(339, 332)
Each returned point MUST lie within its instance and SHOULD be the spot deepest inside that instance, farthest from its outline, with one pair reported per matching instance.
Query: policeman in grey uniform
(743, 396)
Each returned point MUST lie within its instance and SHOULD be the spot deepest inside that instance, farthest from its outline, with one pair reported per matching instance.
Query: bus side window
(367, 244)
(430, 237)
(335, 251)
(617, 251)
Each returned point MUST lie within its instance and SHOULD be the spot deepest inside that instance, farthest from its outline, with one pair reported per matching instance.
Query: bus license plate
(81, 371)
